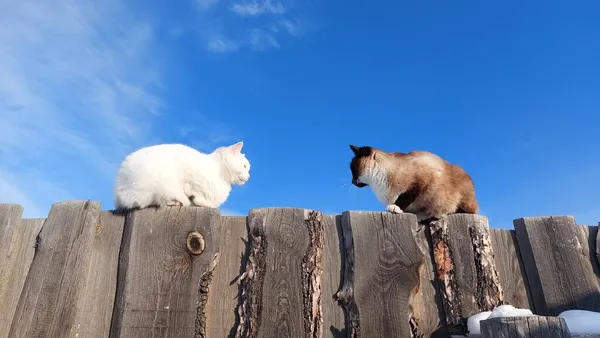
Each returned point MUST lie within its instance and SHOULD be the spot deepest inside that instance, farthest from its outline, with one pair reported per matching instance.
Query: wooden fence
(280, 272)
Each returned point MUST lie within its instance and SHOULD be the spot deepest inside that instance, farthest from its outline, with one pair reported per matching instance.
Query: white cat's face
(238, 164)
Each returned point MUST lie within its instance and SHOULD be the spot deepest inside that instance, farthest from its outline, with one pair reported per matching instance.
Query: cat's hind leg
(180, 199)
(199, 201)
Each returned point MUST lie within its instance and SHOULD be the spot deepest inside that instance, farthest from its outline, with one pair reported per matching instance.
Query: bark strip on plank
(312, 274)
(253, 278)
(203, 291)
(293, 240)
(465, 268)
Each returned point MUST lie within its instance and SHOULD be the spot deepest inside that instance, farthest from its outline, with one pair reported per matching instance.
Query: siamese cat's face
(361, 165)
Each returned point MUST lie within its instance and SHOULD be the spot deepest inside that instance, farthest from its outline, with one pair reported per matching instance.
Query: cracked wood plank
(333, 255)
(558, 256)
(96, 307)
(163, 284)
(524, 327)
(58, 283)
(382, 273)
(282, 285)
(17, 241)
(510, 269)
(221, 316)
(465, 268)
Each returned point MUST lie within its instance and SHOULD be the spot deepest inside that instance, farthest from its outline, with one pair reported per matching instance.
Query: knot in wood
(287, 234)
(195, 243)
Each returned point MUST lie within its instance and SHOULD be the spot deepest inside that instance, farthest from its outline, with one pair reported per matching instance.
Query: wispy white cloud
(204, 5)
(258, 25)
(219, 44)
(262, 40)
(208, 135)
(76, 94)
(256, 7)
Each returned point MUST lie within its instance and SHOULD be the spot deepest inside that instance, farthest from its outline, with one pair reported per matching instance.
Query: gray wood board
(386, 268)
(162, 286)
(510, 269)
(281, 294)
(17, 241)
(221, 317)
(558, 256)
(465, 268)
(55, 288)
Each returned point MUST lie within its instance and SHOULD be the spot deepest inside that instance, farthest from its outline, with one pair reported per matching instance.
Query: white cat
(175, 174)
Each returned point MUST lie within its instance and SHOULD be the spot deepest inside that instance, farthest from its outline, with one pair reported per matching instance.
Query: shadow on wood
(556, 244)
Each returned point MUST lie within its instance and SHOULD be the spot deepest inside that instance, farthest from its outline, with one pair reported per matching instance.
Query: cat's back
(160, 155)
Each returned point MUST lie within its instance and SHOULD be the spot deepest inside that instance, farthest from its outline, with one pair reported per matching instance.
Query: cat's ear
(237, 148)
(355, 150)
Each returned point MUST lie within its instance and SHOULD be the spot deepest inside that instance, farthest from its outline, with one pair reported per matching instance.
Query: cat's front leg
(394, 209)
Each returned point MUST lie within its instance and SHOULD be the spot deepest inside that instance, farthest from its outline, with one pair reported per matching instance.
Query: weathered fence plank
(97, 303)
(282, 285)
(333, 314)
(510, 269)
(556, 244)
(465, 267)
(524, 327)
(221, 316)
(165, 268)
(17, 240)
(597, 243)
(382, 273)
(427, 303)
(55, 287)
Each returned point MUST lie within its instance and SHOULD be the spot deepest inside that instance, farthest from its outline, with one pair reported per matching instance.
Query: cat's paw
(394, 209)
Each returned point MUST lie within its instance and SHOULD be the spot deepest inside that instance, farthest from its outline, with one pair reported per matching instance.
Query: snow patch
(473, 322)
(582, 321)
(509, 311)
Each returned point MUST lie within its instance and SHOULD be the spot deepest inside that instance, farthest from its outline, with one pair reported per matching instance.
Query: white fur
(394, 209)
(169, 174)
(376, 178)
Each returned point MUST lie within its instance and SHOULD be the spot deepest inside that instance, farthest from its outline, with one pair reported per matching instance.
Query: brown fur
(418, 182)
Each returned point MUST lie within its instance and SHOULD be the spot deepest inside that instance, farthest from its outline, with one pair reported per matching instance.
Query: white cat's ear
(237, 148)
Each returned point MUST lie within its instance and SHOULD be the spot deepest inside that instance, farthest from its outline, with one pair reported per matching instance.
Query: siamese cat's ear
(355, 149)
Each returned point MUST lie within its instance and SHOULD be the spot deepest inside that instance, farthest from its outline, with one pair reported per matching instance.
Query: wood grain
(558, 256)
(221, 317)
(162, 287)
(524, 327)
(17, 241)
(333, 314)
(465, 267)
(510, 269)
(427, 305)
(282, 286)
(386, 277)
(97, 303)
(56, 284)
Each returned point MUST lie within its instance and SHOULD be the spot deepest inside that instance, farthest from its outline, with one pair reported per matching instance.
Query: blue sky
(509, 90)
